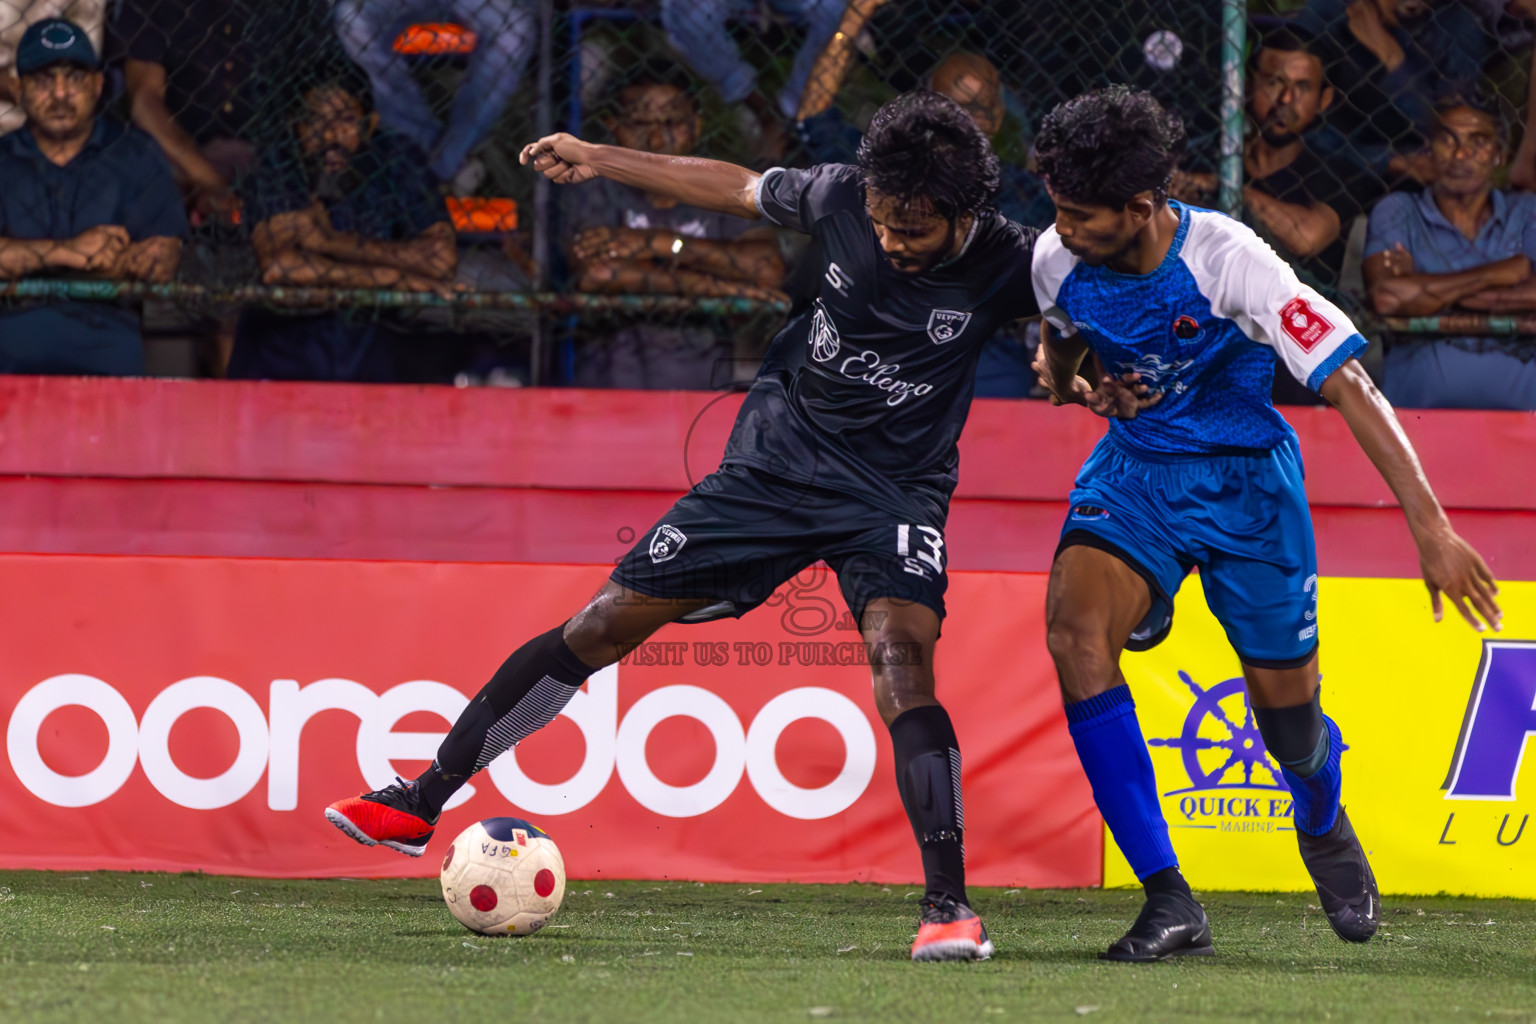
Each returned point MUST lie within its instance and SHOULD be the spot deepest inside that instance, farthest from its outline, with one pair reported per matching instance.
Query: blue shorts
(1241, 519)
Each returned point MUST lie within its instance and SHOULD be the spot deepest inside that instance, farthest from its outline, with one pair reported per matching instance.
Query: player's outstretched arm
(1450, 565)
(709, 184)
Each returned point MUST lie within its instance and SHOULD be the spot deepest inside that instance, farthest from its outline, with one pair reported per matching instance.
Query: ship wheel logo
(1215, 748)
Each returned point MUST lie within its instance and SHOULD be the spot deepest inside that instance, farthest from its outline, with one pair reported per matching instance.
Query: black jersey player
(844, 450)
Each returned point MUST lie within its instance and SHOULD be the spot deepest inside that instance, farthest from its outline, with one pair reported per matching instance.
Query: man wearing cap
(84, 197)
(16, 16)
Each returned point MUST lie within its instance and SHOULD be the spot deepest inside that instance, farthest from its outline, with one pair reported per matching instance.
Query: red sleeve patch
(1304, 324)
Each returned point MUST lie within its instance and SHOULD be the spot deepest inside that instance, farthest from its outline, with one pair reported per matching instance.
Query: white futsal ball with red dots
(503, 876)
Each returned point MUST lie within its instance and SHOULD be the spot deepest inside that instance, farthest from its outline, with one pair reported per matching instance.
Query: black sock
(928, 777)
(1166, 880)
(1295, 735)
(524, 695)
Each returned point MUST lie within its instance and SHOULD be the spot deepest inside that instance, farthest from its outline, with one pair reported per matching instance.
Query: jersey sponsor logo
(1305, 325)
(869, 367)
(823, 340)
(1185, 328)
(1157, 373)
(666, 543)
(946, 324)
(838, 278)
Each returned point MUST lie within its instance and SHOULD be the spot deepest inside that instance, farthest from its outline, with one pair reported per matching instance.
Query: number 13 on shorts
(921, 549)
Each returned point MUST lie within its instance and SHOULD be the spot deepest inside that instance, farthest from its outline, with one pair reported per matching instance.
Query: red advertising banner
(198, 713)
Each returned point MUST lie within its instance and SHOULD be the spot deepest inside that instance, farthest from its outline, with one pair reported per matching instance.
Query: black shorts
(740, 534)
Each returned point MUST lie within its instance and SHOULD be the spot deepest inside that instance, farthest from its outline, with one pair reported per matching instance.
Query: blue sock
(1115, 758)
(1316, 796)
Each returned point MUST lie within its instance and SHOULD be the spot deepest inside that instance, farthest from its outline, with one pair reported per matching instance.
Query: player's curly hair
(924, 148)
(1105, 146)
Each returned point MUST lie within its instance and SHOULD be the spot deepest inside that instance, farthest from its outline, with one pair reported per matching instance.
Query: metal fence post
(1234, 29)
(543, 196)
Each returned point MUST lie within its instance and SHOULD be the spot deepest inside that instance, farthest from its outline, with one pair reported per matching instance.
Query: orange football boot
(392, 817)
(949, 930)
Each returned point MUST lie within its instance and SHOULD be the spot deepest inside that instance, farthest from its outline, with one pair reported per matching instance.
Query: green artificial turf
(129, 947)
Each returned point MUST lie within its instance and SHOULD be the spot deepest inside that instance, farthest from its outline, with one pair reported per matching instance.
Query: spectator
(698, 30)
(81, 195)
(628, 242)
(972, 81)
(346, 206)
(506, 36)
(1395, 59)
(16, 16)
(1302, 203)
(967, 78)
(195, 75)
(1520, 13)
(1460, 242)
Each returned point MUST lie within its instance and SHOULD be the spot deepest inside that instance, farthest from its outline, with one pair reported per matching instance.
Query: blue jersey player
(1188, 315)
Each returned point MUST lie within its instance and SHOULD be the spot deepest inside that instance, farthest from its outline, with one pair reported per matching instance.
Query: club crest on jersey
(666, 543)
(946, 324)
(1305, 326)
(824, 341)
(1185, 328)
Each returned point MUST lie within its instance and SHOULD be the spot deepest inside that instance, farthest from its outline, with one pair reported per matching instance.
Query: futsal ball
(503, 876)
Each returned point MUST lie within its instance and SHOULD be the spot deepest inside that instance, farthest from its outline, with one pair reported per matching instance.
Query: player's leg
(1269, 613)
(900, 636)
(1260, 580)
(1098, 597)
(720, 550)
(524, 695)
(1287, 708)
(1307, 743)
(893, 579)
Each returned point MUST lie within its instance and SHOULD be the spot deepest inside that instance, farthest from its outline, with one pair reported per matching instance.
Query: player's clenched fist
(562, 158)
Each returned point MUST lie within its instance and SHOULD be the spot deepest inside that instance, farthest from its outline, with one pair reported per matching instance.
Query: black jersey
(866, 389)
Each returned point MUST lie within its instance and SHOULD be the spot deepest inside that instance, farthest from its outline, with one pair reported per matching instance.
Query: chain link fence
(344, 175)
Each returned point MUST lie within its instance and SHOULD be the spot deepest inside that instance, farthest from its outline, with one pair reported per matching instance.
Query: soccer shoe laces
(403, 795)
(943, 911)
(399, 784)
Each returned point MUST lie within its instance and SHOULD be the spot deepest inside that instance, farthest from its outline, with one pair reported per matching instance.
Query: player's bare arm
(708, 184)
(1450, 565)
(1057, 363)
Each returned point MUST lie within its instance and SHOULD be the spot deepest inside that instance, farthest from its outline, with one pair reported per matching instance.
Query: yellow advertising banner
(1435, 719)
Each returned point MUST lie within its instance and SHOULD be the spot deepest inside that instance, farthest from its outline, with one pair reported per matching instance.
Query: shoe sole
(342, 822)
(953, 949)
(1181, 951)
(1365, 927)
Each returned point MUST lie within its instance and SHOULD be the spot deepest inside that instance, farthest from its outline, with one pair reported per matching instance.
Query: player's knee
(896, 692)
(604, 630)
(1071, 639)
(900, 670)
(1081, 651)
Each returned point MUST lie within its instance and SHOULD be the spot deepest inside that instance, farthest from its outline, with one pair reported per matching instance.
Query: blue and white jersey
(1204, 329)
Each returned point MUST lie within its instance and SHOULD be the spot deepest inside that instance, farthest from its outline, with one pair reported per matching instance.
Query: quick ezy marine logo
(1234, 785)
